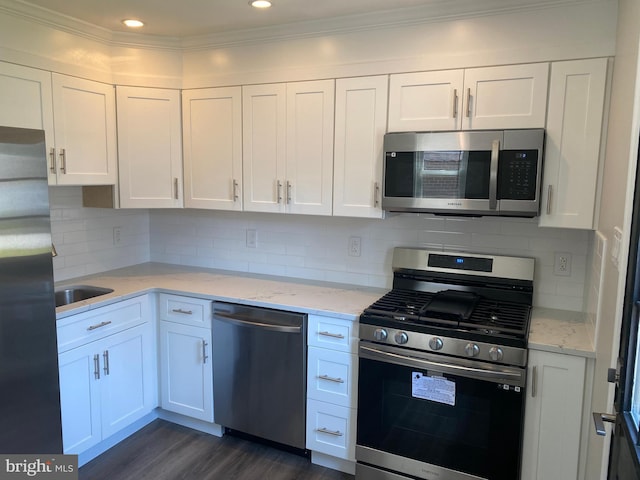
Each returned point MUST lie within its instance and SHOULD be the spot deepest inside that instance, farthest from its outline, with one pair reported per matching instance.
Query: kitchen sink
(76, 293)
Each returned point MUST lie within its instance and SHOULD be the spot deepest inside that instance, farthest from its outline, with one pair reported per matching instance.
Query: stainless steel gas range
(442, 369)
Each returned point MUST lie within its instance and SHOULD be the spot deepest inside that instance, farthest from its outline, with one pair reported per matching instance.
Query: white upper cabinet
(360, 125)
(425, 101)
(512, 96)
(573, 142)
(149, 147)
(288, 147)
(212, 138)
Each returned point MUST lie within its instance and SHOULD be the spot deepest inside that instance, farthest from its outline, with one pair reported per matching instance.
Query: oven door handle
(497, 376)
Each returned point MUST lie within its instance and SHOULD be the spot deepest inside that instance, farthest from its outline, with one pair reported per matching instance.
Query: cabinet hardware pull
(63, 160)
(534, 381)
(105, 357)
(96, 366)
(98, 325)
(376, 193)
(455, 102)
(235, 191)
(468, 102)
(336, 433)
(288, 193)
(329, 334)
(175, 188)
(183, 312)
(549, 196)
(52, 154)
(331, 379)
(279, 194)
(204, 351)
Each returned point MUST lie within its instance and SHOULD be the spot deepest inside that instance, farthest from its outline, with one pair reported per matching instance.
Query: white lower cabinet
(109, 381)
(332, 379)
(553, 416)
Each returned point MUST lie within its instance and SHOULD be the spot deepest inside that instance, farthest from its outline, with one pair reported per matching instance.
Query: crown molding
(436, 11)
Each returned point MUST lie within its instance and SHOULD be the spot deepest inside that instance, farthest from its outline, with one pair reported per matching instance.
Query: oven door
(429, 418)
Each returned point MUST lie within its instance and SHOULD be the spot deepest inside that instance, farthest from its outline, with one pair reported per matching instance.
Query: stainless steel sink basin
(76, 293)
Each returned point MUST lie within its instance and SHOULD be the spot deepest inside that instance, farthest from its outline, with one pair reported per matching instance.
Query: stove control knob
(436, 343)
(472, 350)
(496, 354)
(380, 334)
(401, 338)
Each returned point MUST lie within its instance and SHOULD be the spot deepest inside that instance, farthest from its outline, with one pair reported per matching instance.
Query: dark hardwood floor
(165, 451)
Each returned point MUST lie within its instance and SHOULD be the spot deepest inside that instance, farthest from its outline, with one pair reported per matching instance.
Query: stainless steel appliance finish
(29, 388)
(442, 370)
(259, 372)
(490, 172)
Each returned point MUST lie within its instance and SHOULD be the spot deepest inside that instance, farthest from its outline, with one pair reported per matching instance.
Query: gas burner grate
(500, 317)
(400, 302)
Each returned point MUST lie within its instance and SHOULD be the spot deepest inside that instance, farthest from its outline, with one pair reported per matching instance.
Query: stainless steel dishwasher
(259, 372)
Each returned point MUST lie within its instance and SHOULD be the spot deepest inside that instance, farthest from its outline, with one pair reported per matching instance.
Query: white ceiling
(185, 18)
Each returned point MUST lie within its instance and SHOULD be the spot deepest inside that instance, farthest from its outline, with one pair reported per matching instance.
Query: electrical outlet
(117, 235)
(354, 246)
(252, 238)
(562, 264)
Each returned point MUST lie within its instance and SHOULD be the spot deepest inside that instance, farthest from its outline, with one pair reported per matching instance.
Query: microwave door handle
(493, 175)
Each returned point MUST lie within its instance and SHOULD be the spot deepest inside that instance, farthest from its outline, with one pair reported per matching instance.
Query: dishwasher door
(259, 372)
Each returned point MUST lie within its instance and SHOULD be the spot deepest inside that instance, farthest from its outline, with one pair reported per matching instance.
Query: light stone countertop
(551, 330)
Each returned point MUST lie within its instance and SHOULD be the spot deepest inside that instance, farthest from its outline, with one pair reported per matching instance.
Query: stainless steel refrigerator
(29, 389)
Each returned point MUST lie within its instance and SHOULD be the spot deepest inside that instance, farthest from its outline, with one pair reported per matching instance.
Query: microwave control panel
(517, 172)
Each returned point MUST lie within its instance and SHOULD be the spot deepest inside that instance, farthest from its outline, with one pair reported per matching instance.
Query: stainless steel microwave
(484, 172)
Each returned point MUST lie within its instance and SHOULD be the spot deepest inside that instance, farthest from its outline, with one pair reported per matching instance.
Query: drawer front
(88, 326)
(332, 376)
(331, 429)
(185, 310)
(333, 333)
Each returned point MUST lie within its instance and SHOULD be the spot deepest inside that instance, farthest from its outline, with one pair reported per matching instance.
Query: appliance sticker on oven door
(436, 389)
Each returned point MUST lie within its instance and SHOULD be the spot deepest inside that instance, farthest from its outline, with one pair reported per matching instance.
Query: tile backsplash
(299, 246)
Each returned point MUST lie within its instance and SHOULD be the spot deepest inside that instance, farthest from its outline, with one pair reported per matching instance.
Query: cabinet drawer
(332, 376)
(88, 326)
(185, 310)
(333, 333)
(331, 429)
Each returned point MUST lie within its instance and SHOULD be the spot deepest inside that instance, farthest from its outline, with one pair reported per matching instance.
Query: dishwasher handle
(251, 323)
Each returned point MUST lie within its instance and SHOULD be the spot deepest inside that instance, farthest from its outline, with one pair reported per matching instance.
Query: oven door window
(467, 425)
(438, 174)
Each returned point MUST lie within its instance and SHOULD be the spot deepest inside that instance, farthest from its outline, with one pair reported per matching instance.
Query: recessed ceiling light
(131, 23)
(260, 3)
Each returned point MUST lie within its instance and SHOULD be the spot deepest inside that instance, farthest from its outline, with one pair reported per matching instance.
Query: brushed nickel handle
(336, 433)
(493, 175)
(599, 419)
(204, 351)
(235, 190)
(455, 102)
(63, 160)
(468, 102)
(52, 154)
(534, 381)
(329, 334)
(175, 188)
(105, 358)
(376, 193)
(279, 192)
(181, 311)
(96, 366)
(549, 197)
(98, 325)
(331, 379)
(288, 192)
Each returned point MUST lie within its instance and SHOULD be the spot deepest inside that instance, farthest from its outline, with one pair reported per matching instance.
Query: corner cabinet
(149, 147)
(360, 125)
(573, 143)
(512, 96)
(212, 138)
(107, 371)
(288, 147)
(553, 416)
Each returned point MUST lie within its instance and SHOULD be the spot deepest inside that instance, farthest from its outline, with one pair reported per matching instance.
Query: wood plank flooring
(165, 451)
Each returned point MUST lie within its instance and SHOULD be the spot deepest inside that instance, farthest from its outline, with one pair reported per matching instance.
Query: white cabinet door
(185, 370)
(512, 96)
(309, 159)
(212, 135)
(26, 102)
(128, 371)
(84, 118)
(553, 416)
(573, 143)
(360, 125)
(149, 147)
(264, 147)
(425, 101)
(80, 374)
